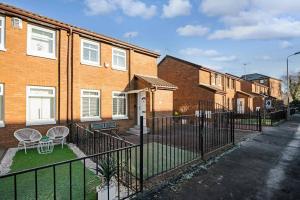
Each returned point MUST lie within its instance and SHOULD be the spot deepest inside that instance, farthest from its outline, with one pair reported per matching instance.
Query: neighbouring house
(272, 83)
(55, 73)
(259, 91)
(198, 83)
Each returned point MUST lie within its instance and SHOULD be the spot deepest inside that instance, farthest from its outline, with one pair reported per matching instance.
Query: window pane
(94, 107)
(94, 56)
(46, 108)
(121, 62)
(41, 91)
(115, 106)
(38, 44)
(85, 106)
(90, 93)
(34, 108)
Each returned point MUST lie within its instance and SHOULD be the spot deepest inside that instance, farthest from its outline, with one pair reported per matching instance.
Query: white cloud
(131, 34)
(176, 8)
(95, 7)
(192, 30)
(222, 7)
(264, 58)
(254, 19)
(199, 52)
(285, 44)
(132, 8)
(225, 58)
(211, 54)
(273, 29)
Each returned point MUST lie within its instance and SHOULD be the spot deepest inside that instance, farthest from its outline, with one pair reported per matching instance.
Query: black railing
(77, 178)
(171, 142)
(248, 121)
(92, 142)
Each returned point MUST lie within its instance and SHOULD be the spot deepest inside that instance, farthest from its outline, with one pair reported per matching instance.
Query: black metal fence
(171, 142)
(248, 121)
(92, 142)
(78, 178)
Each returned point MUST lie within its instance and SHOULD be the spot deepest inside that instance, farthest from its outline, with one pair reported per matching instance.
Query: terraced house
(197, 83)
(55, 73)
(272, 83)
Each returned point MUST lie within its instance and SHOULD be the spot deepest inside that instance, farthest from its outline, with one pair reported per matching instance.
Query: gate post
(141, 153)
(201, 126)
(259, 118)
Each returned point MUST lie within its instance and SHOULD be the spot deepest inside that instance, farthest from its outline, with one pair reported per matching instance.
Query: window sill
(90, 119)
(45, 122)
(118, 69)
(3, 49)
(2, 125)
(119, 117)
(90, 64)
(52, 57)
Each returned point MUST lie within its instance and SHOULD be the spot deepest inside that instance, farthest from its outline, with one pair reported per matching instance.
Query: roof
(157, 82)
(190, 63)
(39, 19)
(233, 76)
(245, 93)
(256, 76)
(212, 88)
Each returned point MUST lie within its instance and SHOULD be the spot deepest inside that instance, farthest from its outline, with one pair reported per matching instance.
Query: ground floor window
(90, 105)
(119, 108)
(40, 105)
(1, 105)
(240, 105)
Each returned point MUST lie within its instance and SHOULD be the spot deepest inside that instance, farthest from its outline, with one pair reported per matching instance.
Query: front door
(240, 102)
(141, 107)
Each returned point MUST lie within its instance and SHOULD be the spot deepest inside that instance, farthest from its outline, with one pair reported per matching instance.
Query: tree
(294, 81)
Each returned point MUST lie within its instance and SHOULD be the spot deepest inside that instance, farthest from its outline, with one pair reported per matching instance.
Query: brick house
(54, 73)
(258, 91)
(196, 82)
(272, 83)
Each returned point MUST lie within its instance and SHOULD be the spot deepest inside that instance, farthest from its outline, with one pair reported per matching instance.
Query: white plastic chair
(58, 134)
(27, 137)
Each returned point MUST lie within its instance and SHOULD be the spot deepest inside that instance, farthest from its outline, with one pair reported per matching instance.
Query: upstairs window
(2, 33)
(90, 105)
(41, 41)
(1, 105)
(119, 59)
(40, 105)
(90, 52)
(119, 105)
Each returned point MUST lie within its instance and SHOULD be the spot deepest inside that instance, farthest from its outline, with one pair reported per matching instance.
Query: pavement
(266, 166)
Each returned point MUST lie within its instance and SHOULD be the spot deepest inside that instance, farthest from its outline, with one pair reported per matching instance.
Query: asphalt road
(264, 167)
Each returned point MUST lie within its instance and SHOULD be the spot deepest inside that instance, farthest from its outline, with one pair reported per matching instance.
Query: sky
(233, 36)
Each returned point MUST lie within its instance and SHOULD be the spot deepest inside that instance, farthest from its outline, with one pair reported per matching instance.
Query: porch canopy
(245, 93)
(155, 82)
(212, 88)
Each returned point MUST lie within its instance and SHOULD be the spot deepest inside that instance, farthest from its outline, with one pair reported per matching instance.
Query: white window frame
(39, 122)
(88, 62)
(96, 118)
(2, 94)
(116, 117)
(116, 67)
(2, 45)
(37, 53)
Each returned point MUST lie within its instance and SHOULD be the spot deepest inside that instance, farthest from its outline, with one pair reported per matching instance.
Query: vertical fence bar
(35, 184)
(141, 153)
(259, 118)
(15, 187)
(70, 183)
(54, 183)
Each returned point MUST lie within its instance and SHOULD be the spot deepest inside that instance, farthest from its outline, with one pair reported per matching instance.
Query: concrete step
(136, 130)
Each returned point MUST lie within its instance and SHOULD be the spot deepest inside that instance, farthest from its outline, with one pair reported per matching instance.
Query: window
(90, 105)
(1, 105)
(228, 82)
(119, 105)
(232, 84)
(2, 33)
(40, 105)
(118, 59)
(41, 42)
(90, 52)
(262, 81)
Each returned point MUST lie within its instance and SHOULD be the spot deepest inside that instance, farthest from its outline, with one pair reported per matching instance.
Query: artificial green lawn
(159, 158)
(26, 182)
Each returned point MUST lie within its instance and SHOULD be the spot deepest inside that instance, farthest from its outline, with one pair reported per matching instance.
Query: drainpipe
(59, 81)
(69, 69)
